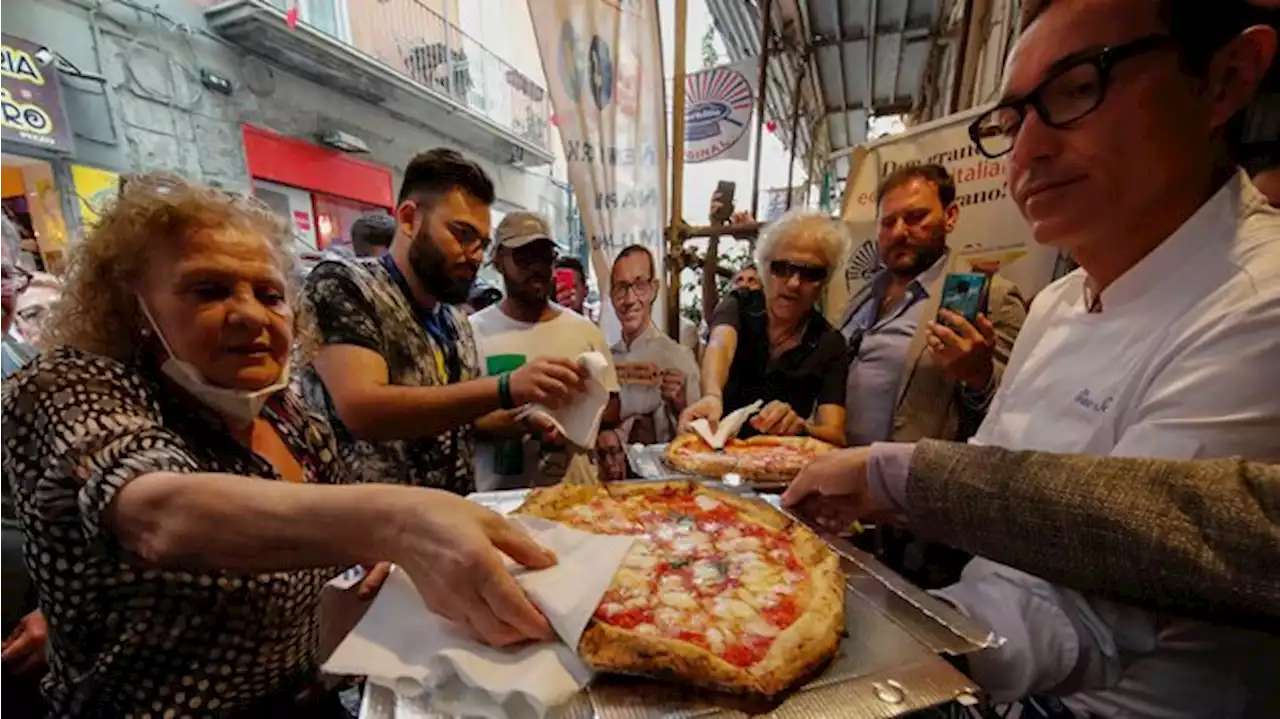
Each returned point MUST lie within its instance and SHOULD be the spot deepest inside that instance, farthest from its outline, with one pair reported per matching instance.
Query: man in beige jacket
(916, 370)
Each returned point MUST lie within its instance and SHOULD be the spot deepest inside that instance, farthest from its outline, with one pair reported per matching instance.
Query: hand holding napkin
(579, 421)
(400, 644)
(728, 427)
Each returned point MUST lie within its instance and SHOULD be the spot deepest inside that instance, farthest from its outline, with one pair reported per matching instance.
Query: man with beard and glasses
(1119, 122)
(526, 323)
(396, 368)
(916, 371)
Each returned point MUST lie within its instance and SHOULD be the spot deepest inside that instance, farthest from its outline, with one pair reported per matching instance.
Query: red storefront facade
(321, 191)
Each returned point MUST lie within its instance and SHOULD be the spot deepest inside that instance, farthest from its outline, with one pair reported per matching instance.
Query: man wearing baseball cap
(526, 324)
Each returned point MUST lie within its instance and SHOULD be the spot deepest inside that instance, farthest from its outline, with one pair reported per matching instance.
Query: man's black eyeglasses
(783, 270)
(467, 235)
(1074, 89)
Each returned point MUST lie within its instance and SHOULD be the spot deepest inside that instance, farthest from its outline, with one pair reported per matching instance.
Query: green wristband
(505, 400)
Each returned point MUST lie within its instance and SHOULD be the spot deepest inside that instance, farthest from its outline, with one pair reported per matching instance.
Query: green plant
(734, 255)
(710, 58)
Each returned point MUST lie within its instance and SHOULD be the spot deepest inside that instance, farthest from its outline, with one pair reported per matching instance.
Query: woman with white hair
(774, 345)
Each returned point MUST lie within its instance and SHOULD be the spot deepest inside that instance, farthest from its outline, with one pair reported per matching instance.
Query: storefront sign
(31, 97)
(603, 62)
(717, 115)
(990, 230)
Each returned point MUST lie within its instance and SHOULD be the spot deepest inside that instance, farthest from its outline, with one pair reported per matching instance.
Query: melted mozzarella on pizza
(707, 576)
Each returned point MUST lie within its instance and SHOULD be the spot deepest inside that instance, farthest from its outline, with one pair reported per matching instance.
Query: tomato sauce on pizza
(710, 574)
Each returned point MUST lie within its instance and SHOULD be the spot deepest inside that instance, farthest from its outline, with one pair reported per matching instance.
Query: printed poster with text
(603, 63)
(989, 231)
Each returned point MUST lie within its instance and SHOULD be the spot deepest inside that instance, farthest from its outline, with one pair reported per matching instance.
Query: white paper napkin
(579, 421)
(400, 644)
(728, 427)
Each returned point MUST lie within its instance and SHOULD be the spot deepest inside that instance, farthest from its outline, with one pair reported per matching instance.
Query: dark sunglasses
(535, 253)
(1074, 89)
(785, 269)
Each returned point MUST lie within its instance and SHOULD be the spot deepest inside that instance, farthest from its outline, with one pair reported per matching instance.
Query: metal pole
(766, 30)
(961, 59)
(674, 241)
(815, 131)
(795, 123)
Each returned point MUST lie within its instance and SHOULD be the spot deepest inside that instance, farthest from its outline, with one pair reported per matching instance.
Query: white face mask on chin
(236, 406)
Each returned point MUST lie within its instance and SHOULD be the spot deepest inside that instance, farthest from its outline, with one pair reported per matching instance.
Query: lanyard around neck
(435, 321)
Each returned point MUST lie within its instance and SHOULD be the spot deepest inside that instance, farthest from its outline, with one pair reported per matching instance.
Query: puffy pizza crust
(795, 653)
(815, 636)
(689, 453)
(554, 502)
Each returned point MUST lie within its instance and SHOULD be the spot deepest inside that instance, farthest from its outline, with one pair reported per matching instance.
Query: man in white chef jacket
(1165, 343)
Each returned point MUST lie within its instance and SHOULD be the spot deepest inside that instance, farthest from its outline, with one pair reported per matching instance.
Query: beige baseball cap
(518, 229)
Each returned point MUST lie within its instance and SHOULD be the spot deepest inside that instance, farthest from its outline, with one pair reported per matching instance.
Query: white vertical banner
(603, 63)
(719, 103)
(989, 231)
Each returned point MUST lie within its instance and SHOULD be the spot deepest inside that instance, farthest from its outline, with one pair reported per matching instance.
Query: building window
(328, 16)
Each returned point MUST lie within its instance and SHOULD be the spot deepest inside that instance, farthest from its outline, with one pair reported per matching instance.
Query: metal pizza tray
(888, 665)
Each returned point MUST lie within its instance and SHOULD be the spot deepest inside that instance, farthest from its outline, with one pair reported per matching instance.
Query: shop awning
(860, 59)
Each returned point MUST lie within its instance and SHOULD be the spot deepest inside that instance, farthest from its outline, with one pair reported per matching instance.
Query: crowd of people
(199, 434)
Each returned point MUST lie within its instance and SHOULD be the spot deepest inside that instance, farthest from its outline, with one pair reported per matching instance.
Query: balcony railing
(414, 40)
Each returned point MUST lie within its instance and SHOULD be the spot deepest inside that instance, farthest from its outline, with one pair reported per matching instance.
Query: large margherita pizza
(760, 459)
(718, 591)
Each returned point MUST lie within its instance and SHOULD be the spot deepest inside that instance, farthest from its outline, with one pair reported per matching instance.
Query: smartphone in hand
(725, 191)
(566, 281)
(965, 293)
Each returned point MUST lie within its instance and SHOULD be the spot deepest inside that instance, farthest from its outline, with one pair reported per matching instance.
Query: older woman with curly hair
(181, 509)
(774, 345)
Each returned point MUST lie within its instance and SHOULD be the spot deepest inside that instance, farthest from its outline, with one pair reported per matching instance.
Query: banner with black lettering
(989, 232)
(603, 63)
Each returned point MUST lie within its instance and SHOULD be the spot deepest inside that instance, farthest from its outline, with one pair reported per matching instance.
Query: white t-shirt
(505, 343)
(1182, 362)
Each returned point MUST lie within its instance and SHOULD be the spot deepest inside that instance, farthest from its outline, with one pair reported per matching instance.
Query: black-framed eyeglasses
(1074, 89)
(785, 270)
(467, 235)
(15, 279)
(643, 289)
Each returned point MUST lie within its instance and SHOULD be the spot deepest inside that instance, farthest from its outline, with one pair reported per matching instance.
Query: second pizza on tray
(718, 591)
(759, 459)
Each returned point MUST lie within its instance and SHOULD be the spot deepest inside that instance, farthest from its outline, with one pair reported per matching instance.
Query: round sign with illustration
(717, 112)
(863, 262)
